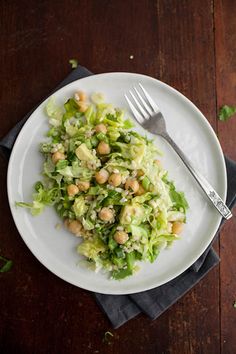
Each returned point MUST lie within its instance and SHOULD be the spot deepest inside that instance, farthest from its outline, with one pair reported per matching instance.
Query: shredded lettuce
(79, 206)
(92, 248)
(226, 112)
(54, 112)
(140, 220)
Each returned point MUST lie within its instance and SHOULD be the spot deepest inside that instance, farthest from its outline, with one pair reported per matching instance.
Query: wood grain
(188, 66)
(225, 39)
(188, 44)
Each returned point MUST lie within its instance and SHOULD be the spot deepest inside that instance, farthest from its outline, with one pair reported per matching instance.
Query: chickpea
(177, 227)
(140, 191)
(140, 173)
(121, 237)
(103, 148)
(83, 185)
(102, 176)
(80, 96)
(72, 190)
(83, 106)
(74, 226)
(57, 156)
(115, 179)
(101, 128)
(106, 214)
(132, 183)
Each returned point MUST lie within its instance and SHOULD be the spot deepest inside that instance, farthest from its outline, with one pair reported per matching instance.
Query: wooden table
(189, 44)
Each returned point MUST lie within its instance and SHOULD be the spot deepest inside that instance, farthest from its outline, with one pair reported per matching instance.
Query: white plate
(56, 249)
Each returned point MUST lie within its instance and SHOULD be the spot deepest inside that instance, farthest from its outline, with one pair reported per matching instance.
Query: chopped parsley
(226, 112)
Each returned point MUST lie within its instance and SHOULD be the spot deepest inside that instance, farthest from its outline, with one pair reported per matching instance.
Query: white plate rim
(219, 152)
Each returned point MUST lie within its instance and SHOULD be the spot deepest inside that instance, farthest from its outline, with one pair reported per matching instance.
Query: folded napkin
(121, 308)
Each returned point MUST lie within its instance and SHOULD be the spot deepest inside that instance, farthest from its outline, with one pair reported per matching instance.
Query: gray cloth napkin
(121, 308)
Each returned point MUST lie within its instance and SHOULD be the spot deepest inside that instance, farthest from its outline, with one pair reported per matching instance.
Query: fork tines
(144, 106)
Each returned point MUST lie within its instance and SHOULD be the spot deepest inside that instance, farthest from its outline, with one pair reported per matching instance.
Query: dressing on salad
(108, 186)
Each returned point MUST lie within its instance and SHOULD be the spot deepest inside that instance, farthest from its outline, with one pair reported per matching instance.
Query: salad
(107, 185)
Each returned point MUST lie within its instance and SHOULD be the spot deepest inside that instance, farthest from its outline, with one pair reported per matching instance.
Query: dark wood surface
(189, 44)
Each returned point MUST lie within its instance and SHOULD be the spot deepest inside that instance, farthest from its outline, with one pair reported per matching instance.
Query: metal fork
(148, 114)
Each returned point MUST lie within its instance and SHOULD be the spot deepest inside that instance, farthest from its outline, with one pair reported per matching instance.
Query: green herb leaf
(61, 164)
(226, 112)
(38, 185)
(121, 274)
(112, 243)
(74, 63)
(6, 266)
(145, 183)
(177, 197)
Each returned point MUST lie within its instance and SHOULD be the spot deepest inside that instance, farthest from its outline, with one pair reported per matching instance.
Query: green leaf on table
(226, 112)
(74, 63)
(6, 266)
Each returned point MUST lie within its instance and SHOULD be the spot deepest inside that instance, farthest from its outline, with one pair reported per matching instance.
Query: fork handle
(203, 183)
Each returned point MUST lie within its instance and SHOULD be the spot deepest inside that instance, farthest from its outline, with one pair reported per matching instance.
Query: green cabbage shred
(146, 217)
